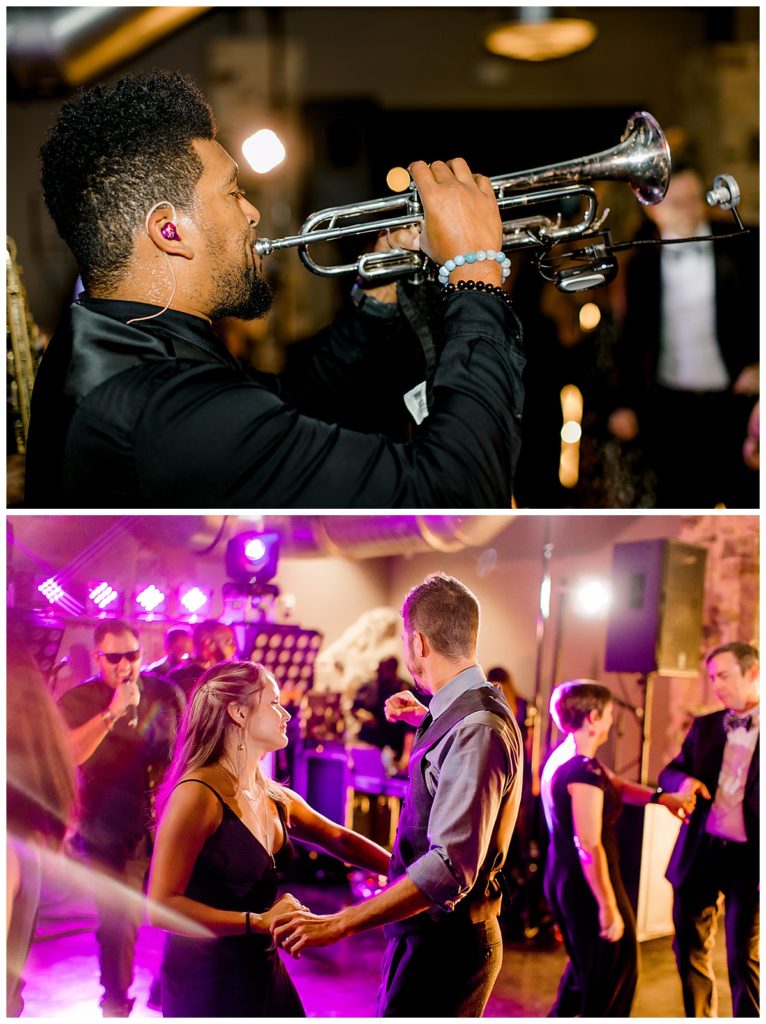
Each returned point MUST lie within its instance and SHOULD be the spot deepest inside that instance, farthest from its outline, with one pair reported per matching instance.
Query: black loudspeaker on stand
(656, 620)
(655, 624)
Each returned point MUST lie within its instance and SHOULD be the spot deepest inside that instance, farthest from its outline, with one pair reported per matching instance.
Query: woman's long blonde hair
(206, 723)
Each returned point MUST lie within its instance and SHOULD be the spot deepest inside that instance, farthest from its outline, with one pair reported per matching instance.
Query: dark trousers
(120, 907)
(694, 442)
(445, 970)
(723, 870)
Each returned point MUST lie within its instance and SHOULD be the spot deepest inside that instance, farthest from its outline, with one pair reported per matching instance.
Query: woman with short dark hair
(582, 800)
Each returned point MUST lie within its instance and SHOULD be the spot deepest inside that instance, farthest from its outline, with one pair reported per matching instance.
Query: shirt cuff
(432, 876)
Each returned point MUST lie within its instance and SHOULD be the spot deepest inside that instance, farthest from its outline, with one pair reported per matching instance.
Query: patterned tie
(731, 720)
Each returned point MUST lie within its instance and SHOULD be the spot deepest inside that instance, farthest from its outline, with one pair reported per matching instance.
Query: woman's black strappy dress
(233, 976)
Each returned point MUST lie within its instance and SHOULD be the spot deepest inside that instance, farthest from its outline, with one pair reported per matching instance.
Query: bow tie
(731, 720)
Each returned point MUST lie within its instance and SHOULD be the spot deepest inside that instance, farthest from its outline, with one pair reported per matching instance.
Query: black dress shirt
(158, 415)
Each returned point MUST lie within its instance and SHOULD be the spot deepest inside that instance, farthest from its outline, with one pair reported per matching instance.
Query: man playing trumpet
(137, 402)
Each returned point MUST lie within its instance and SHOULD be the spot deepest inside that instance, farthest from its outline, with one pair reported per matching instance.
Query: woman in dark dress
(582, 800)
(224, 832)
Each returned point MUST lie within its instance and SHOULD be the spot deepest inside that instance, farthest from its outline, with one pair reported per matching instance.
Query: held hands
(679, 804)
(611, 924)
(405, 707)
(300, 928)
(284, 905)
(691, 786)
(461, 215)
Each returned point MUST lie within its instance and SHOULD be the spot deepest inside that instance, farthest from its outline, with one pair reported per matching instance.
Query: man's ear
(420, 645)
(166, 235)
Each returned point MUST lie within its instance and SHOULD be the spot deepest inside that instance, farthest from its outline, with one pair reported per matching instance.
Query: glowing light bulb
(398, 179)
(571, 432)
(264, 151)
(592, 598)
(590, 316)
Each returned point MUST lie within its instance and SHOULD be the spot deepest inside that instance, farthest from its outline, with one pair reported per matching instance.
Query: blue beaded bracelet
(475, 257)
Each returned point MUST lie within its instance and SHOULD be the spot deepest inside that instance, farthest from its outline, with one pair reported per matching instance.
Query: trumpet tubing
(641, 159)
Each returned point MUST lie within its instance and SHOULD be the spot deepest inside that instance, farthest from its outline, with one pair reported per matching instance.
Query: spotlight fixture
(592, 598)
(288, 652)
(103, 600)
(54, 593)
(150, 602)
(535, 34)
(252, 557)
(192, 600)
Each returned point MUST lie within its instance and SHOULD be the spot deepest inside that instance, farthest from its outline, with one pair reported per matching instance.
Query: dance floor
(335, 982)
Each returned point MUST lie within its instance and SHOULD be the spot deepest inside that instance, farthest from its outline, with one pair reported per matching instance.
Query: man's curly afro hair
(115, 152)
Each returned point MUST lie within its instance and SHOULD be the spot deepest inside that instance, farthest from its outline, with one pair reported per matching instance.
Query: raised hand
(404, 707)
(461, 215)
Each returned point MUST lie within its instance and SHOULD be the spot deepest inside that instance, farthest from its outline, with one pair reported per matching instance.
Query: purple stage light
(253, 557)
(150, 599)
(51, 591)
(102, 595)
(255, 549)
(192, 599)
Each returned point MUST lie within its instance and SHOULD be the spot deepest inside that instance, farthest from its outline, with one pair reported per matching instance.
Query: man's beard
(239, 292)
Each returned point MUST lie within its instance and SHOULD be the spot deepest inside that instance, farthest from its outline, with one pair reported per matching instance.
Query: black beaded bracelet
(248, 925)
(655, 797)
(478, 286)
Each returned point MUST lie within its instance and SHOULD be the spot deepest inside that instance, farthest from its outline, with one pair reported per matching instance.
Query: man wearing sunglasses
(121, 724)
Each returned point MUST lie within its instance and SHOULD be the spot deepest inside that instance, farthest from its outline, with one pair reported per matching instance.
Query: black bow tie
(731, 720)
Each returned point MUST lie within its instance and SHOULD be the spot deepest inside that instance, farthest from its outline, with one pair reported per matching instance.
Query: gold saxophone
(23, 348)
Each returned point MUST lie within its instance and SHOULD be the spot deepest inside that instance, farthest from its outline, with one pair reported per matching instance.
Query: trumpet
(641, 159)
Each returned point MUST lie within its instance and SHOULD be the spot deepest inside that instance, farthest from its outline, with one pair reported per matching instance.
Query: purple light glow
(103, 595)
(51, 590)
(193, 599)
(255, 549)
(150, 598)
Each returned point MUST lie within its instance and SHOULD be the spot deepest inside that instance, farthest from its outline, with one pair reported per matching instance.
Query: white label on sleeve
(416, 402)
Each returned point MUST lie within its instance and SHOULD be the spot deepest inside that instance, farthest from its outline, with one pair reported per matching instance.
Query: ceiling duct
(55, 49)
(354, 537)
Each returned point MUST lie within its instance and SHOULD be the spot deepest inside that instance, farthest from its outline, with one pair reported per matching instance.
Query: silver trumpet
(641, 158)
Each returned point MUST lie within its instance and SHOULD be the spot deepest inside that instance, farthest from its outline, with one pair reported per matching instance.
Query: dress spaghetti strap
(201, 783)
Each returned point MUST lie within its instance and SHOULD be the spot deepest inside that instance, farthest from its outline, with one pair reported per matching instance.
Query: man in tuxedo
(687, 356)
(717, 852)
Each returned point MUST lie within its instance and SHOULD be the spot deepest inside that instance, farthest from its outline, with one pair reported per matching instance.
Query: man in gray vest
(441, 905)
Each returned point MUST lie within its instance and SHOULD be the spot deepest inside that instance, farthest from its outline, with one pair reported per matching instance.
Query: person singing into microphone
(122, 725)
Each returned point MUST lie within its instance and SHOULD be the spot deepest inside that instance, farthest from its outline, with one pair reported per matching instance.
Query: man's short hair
(114, 152)
(112, 627)
(206, 630)
(746, 655)
(446, 612)
(177, 633)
